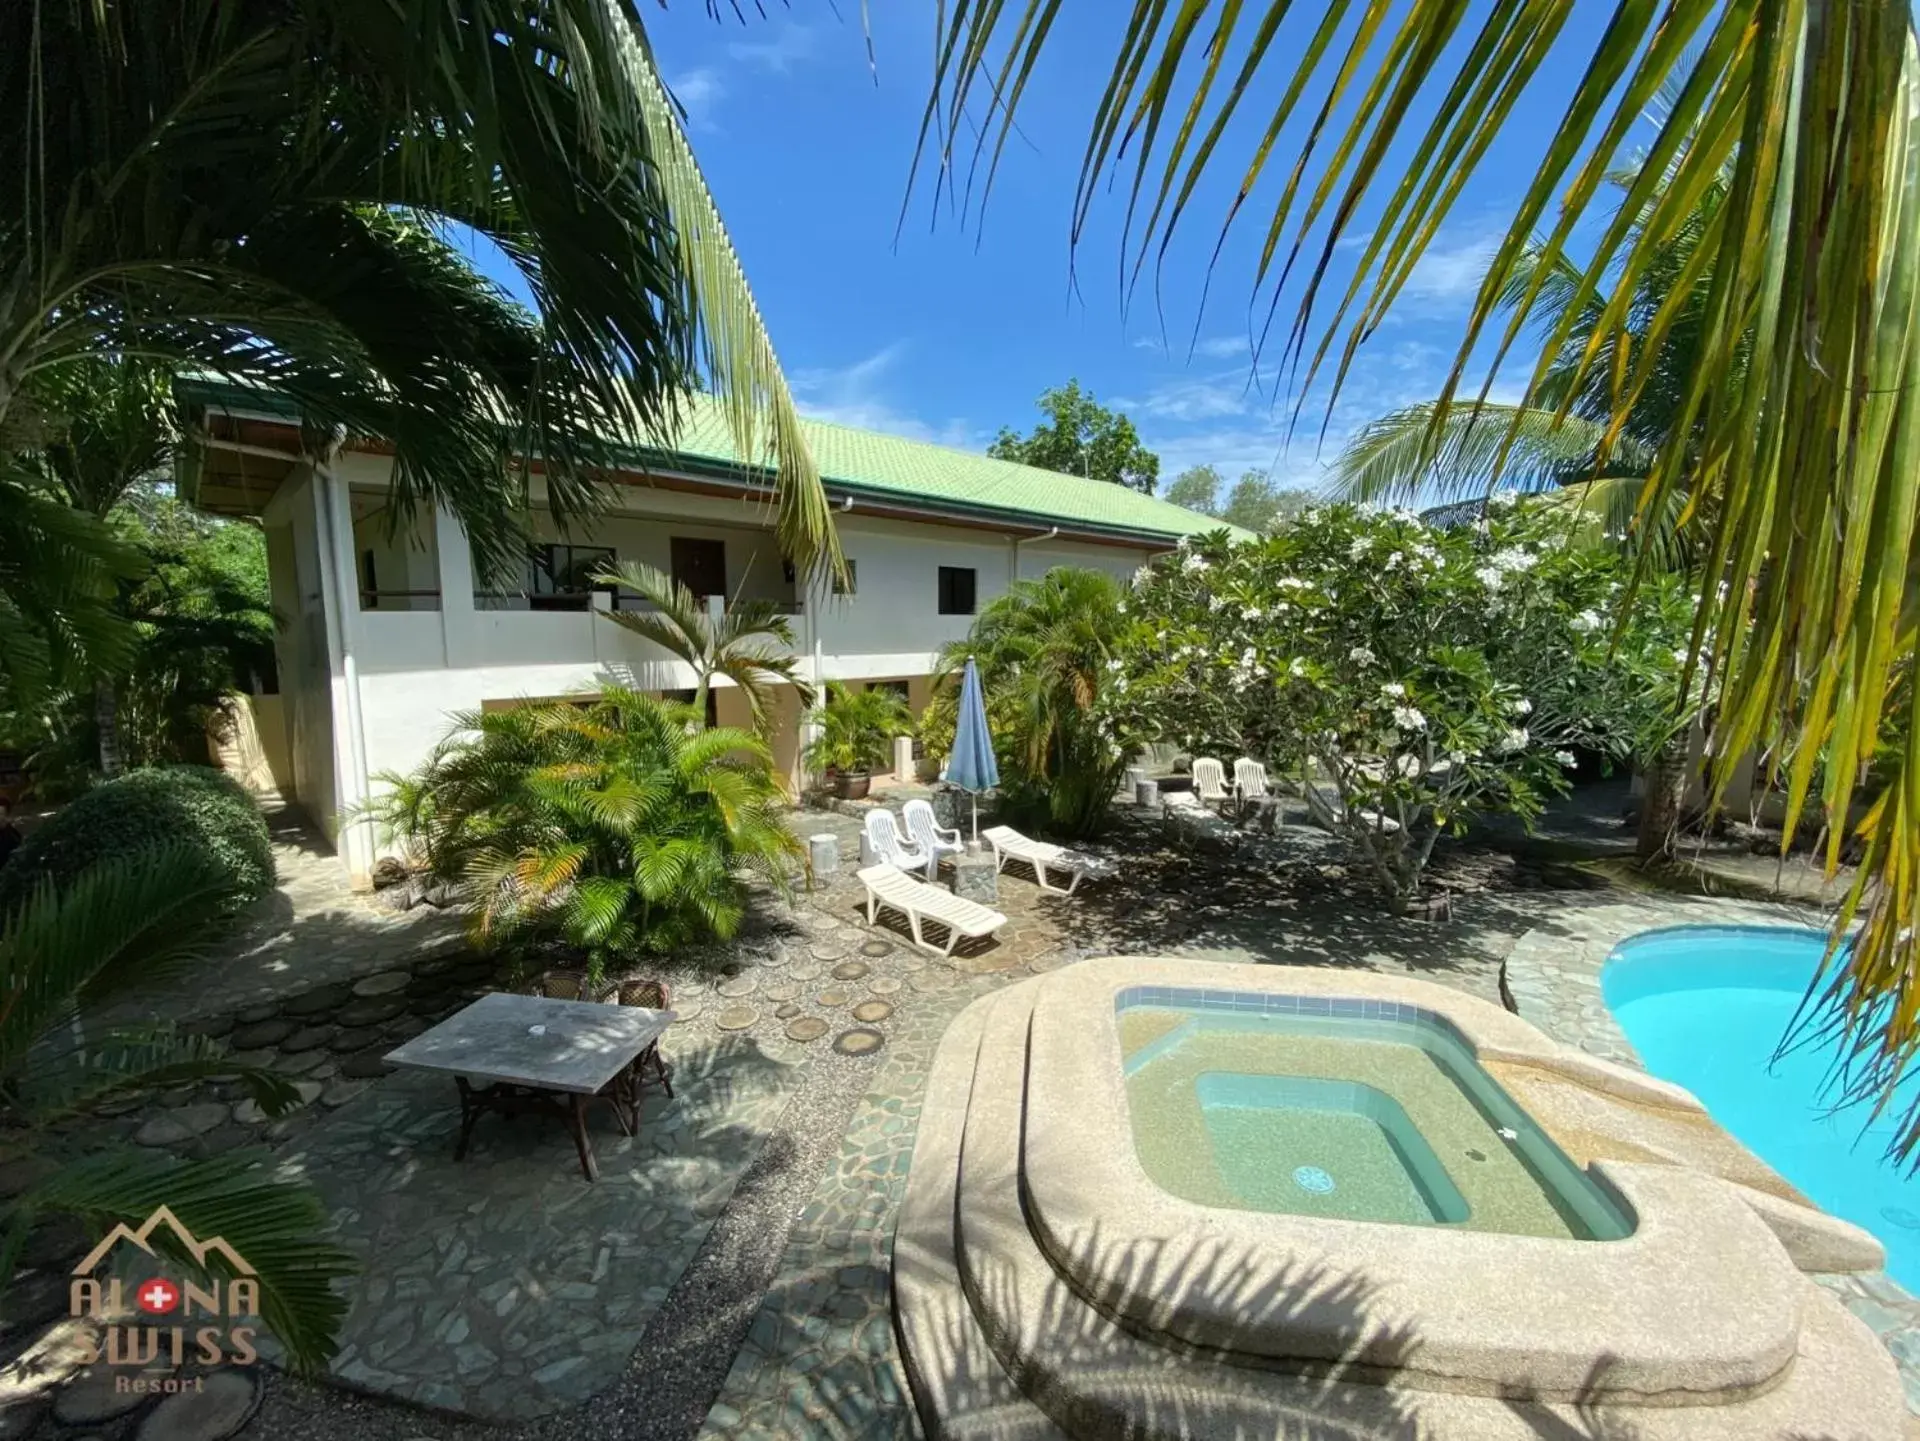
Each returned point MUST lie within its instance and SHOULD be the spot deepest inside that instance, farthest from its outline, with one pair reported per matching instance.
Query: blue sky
(950, 330)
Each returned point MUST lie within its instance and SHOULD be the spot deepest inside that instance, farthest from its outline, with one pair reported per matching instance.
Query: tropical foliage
(612, 827)
(60, 571)
(751, 644)
(1081, 437)
(1423, 676)
(1798, 420)
(856, 727)
(1044, 650)
(65, 950)
(269, 193)
(191, 808)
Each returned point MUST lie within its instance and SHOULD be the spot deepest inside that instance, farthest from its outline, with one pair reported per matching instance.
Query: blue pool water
(1706, 1006)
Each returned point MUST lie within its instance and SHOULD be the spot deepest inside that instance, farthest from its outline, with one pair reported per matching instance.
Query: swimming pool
(1706, 1006)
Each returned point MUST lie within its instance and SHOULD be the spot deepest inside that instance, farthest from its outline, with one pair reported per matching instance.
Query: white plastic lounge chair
(930, 836)
(920, 902)
(886, 845)
(1009, 845)
(1209, 780)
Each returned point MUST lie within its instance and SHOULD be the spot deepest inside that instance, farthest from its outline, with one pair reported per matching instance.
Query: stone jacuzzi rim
(1677, 1304)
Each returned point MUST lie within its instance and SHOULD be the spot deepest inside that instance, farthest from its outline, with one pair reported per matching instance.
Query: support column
(459, 619)
(334, 522)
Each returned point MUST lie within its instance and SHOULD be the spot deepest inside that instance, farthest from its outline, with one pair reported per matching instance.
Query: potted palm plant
(855, 729)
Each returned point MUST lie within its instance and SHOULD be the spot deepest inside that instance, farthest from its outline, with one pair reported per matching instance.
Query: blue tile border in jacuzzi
(1211, 998)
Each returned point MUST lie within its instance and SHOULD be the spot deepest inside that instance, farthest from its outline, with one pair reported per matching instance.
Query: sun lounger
(920, 902)
(1009, 845)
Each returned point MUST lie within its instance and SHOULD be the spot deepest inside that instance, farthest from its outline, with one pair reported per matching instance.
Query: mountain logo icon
(142, 1236)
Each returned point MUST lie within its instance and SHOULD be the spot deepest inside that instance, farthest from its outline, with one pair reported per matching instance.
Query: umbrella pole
(974, 796)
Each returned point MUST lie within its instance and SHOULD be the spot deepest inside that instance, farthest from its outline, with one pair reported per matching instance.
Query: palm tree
(1564, 434)
(270, 192)
(856, 726)
(611, 826)
(1798, 422)
(751, 644)
(63, 953)
(60, 571)
(1042, 650)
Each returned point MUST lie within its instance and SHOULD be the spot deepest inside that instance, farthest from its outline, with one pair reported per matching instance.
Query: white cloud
(855, 395)
(776, 47)
(700, 91)
(1219, 347)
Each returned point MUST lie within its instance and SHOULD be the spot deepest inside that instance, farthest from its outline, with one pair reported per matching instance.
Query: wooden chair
(565, 984)
(650, 995)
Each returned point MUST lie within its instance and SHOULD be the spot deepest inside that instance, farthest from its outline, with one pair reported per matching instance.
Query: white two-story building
(384, 633)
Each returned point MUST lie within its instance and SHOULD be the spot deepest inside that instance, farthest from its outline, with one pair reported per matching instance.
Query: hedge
(195, 806)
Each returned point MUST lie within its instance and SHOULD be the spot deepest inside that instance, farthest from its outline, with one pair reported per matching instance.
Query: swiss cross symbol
(158, 1295)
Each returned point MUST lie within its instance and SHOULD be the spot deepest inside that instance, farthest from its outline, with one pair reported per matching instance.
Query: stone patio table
(529, 1052)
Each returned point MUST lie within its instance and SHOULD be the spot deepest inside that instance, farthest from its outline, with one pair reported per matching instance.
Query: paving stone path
(1553, 973)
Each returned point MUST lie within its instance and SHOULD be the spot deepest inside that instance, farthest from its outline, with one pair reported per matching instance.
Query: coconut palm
(751, 644)
(1562, 436)
(64, 953)
(1797, 426)
(1042, 649)
(610, 826)
(269, 192)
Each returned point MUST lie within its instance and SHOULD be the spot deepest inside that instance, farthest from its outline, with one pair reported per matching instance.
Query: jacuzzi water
(1707, 1007)
(1355, 1110)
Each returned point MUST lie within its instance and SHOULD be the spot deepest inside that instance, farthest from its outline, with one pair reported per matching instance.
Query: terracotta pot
(852, 785)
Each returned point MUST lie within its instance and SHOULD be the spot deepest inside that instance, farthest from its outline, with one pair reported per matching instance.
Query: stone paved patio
(507, 1289)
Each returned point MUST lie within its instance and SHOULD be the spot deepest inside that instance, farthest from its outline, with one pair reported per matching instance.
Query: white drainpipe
(1013, 551)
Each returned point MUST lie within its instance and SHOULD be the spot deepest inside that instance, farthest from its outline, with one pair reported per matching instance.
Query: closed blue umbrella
(971, 766)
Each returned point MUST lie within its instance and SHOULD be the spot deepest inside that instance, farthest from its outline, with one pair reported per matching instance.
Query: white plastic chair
(1250, 780)
(1209, 780)
(930, 836)
(885, 844)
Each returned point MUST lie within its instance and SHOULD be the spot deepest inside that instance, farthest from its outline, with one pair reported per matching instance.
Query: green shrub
(193, 806)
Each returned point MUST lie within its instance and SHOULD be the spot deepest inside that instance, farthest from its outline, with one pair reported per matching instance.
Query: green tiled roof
(866, 463)
(890, 466)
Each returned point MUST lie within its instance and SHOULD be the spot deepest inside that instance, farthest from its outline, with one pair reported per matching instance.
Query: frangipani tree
(1422, 675)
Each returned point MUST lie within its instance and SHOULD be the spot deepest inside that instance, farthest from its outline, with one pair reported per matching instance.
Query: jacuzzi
(1146, 1207)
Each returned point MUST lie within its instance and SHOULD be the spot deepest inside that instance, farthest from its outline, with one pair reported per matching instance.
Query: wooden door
(699, 565)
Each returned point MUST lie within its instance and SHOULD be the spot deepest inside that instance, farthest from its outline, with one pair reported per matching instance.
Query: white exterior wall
(374, 690)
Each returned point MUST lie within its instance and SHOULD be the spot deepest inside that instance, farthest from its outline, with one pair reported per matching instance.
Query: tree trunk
(106, 723)
(1665, 793)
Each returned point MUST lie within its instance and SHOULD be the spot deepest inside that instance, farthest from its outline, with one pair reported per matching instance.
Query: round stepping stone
(438, 965)
(318, 1001)
(119, 1106)
(364, 1066)
(930, 980)
(253, 1014)
(434, 985)
(265, 1056)
(325, 1071)
(832, 999)
(212, 1027)
(217, 1408)
(689, 1008)
(806, 1028)
(806, 971)
(182, 1124)
(227, 1138)
(783, 992)
(382, 983)
(850, 970)
(371, 1011)
(354, 1038)
(912, 961)
(737, 987)
(828, 951)
(885, 985)
(787, 1012)
(299, 1064)
(260, 1033)
(875, 949)
(860, 1041)
(93, 1396)
(872, 1011)
(308, 1038)
(736, 1018)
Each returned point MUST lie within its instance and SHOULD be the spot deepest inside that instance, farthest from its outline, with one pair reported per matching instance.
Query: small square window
(956, 589)
(851, 583)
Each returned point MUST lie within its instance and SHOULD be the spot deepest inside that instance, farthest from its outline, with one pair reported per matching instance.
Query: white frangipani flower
(1513, 740)
(1565, 758)
(1523, 706)
(1585, 623)
(1392, 690)
(1408, 718)
(1360, 655)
